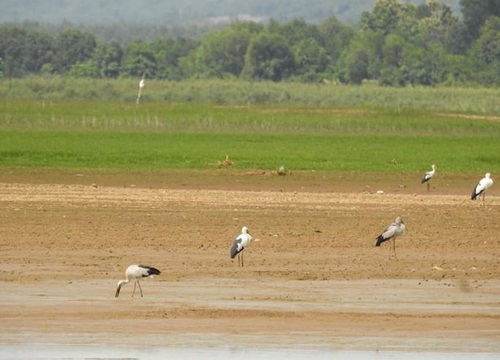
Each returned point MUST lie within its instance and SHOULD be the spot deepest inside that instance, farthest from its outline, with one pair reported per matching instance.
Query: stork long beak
(117, 293)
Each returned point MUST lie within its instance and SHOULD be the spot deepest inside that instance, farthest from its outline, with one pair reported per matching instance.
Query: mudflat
(314, 280)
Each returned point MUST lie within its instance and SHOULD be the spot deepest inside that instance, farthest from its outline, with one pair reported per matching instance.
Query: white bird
(391, 233)
(239, 244)
(136, 272)
(483, 185)
(141, 86)
(428, 176)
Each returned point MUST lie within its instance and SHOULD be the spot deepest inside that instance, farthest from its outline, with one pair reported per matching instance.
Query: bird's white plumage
(136, 272)
(394, 230)
(481, 187)
(243, 239)
(239, 244)
(429, 174)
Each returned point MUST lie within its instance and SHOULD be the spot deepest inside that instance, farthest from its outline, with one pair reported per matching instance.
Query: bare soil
(314, 280)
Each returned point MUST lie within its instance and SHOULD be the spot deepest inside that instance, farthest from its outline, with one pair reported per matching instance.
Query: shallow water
(57, 352)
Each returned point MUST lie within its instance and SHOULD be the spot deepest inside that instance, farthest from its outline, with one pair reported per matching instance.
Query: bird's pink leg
(135, 284)
(138, 283)
(242, 260)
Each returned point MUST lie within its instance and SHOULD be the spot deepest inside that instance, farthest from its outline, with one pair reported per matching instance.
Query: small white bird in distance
(136, 272)
(394, 230)
(481, 187)
(428, 176)
(141, 86)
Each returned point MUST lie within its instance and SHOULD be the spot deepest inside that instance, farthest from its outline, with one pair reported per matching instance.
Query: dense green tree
(223, 52)
(83, 70)
(307, 43)
(269, 57)
(10, 51)
(476, 12)
(138, 60)
(107, 58)
(38, 51)
(355, 69)
(487, 47)
(334, 37)
(72, 46)
(311, 59)
(435, 22)
(437, 25)
(168, 54)
(23, 51)
(486, 52)
(362, 59)
(458, 39)
(394, 69)
(459, 69)
(384, 18)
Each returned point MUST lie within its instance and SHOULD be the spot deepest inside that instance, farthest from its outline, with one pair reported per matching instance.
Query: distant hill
(183, 12)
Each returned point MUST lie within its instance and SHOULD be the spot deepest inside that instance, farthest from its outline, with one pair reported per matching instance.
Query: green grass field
(158, 135)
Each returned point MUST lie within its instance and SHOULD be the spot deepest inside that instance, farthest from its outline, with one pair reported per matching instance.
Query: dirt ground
(314, 280)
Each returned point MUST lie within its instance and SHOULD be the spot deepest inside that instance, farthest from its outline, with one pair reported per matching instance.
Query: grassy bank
(82, 134)
(253, 119)
(459, 100)
(156, 151)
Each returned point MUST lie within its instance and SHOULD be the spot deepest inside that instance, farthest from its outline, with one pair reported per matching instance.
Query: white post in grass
(141, 86)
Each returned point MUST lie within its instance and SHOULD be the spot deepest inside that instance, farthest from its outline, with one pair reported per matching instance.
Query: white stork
(136, 272)
(391, 233)
(481, 187)
(239, 244)
(428, 176)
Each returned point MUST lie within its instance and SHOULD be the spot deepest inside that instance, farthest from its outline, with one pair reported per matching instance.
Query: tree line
(395, 44)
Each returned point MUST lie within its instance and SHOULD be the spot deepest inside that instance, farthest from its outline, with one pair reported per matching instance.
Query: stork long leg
(392, 249)
(428, 186)
(139, 284)
(135, 284)
(242, 260)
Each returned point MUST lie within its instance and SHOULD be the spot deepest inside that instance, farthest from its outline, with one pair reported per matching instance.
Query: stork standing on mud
(239, 244)
(394, 230)
(481, 187)
(136, 272)
(428, 176)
